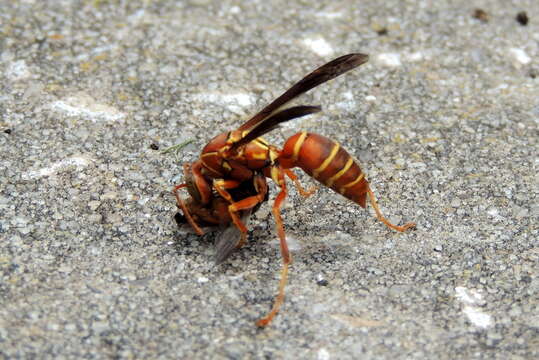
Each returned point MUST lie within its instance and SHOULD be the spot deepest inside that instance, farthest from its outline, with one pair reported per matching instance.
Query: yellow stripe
(213, 153)
(263, 148)
(350, 184)
(275, 175)
(273, 155)
(297, 145)
(340, 173)
(209, 154)
(328, 160)
(210, 168)
(260, 156)
(262, 141)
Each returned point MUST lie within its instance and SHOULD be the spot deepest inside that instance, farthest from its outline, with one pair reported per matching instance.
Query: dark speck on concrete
(522, 18)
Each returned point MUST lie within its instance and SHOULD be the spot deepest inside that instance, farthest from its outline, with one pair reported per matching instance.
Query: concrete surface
(444, 119)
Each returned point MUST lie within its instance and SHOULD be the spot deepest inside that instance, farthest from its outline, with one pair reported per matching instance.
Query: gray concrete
(444, 119)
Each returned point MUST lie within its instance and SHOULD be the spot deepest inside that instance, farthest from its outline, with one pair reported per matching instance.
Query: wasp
(228, 181)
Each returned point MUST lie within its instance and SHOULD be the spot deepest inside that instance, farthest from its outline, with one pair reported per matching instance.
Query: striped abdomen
(326, 161)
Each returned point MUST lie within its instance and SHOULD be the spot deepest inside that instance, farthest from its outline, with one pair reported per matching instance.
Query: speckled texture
(444, 119)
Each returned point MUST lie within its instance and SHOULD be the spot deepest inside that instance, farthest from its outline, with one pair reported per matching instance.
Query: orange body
(326, 161)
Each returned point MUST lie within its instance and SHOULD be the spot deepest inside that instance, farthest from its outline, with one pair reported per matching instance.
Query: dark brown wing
(229, 239)
(274, 120)
(324, 73)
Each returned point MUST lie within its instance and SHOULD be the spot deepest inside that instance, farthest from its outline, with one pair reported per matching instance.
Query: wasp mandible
(241, 161)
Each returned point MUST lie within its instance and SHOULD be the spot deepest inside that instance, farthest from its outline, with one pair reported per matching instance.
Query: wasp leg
(301, 190)
(194, 171)
(236, 207)
(244, 204)
(185, 211)
(287, 259)
(381, 217)
(221, 186)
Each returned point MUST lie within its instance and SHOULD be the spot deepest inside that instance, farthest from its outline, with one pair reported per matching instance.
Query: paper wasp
(228, 181)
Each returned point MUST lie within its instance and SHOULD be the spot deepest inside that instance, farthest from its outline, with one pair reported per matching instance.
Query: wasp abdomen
(326, 161)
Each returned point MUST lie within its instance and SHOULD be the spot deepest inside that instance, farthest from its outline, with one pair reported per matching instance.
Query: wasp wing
(274, 120)
(229, 239)
(322, 74)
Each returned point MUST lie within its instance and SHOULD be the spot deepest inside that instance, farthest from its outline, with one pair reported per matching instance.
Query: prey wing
(229, 239)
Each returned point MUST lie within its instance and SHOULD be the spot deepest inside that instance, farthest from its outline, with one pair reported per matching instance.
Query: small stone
(455, 203)
(93, 205)
(100, 326)
(322, 282)
(493, 338)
